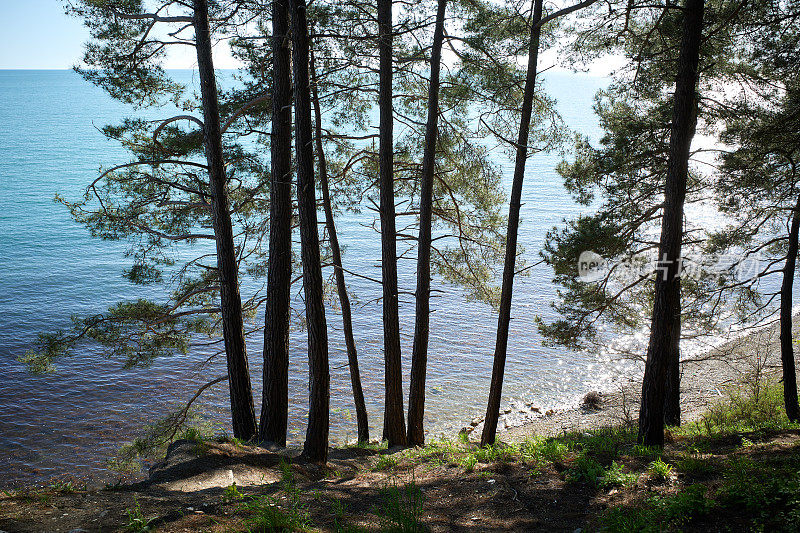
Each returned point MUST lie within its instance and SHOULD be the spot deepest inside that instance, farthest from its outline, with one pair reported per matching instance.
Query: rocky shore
(742, 361)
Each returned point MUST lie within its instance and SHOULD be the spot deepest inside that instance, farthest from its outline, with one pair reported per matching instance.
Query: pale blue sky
(36, 34)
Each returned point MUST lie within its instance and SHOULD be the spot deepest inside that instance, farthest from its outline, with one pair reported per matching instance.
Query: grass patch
(736, 482)
(740, 413)
(402, 510)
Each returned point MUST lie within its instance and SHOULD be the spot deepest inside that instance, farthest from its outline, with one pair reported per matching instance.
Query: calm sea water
(50, 268)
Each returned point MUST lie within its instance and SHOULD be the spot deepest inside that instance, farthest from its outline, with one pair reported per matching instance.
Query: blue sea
(74, 419)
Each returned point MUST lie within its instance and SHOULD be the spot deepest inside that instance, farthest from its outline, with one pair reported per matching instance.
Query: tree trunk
(344, 298)
(672, 392)
(316, 444)
(787, 348)
(665, 326)
(504, 318)
(275, 396)
(419, 358)
(242, 411)
(394, 429)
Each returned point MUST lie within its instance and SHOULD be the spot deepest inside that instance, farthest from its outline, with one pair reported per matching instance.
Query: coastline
(705, 378)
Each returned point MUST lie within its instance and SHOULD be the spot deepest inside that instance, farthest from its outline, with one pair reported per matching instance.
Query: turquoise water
(51, 268)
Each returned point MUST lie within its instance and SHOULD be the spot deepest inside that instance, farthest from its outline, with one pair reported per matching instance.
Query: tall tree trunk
(275, 396)
(672, 391)
(787, 348)
(666, 322)
(501, 343)
(419, 358)
(341, 287)
(394, 429)
(316, 444)
(242, 411)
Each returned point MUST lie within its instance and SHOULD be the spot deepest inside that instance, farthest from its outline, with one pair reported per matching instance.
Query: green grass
(269, 513)
(386, 462)
(265, 514)
(585, 469)
(616, 476)
(660, 513)
(735, 481)
(740, 413)
(402, 510)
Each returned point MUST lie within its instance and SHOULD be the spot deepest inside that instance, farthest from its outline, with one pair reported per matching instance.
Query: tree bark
(666, 321)
(242, 410)
(504, 318)
(393, 418)
(316, 444)
(672, 391)
(419, 358)
(787, 346)
(275, 396)
(341, 287)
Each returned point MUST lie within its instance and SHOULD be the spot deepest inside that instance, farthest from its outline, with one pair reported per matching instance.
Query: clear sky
(36, 34)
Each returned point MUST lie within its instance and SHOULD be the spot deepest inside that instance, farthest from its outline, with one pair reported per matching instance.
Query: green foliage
(741, 412)
(695, 466)
(615, 476)
(585, 469)
(402, 509)
(137, 522)
(386, 462)
(660, 513)
(265, 515)
(156, 437)
(640, 450)
(659, 470)
(231, 493)
(769, 493)
(268, 513)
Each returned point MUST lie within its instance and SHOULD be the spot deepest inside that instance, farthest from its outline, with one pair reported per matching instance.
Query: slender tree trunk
(419, 358)
(242, 410)
(665, 326)
(341, 287)
(504, 318)
(394, 429)
(275, 396)
(672, 391)
(316, 445)
(787, 347)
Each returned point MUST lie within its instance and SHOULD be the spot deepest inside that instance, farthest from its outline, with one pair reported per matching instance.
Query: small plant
(468, 462)
(266, 515)
(63, 486)
(137, 523)
(660, 470)
(585, 469)
(231, 493)
(287, 474)
(615, 476)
